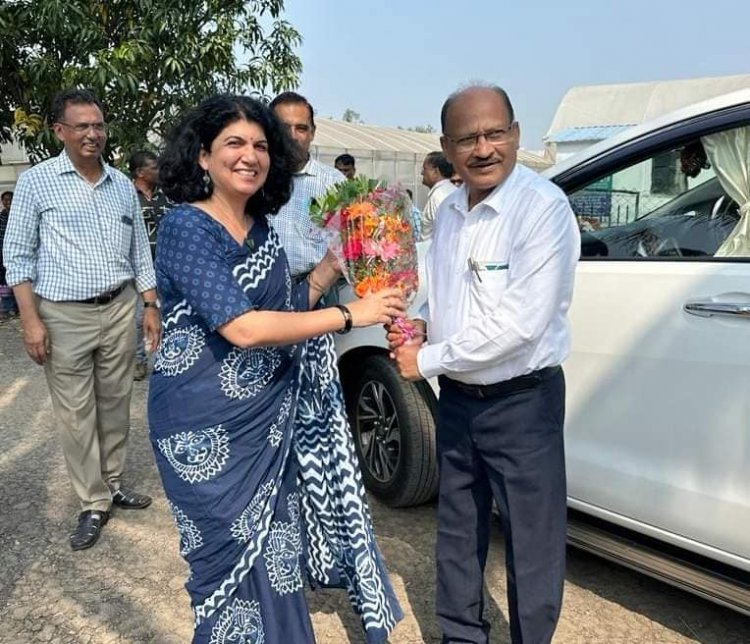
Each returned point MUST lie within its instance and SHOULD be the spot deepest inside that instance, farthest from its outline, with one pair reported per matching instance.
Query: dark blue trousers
(506, 446)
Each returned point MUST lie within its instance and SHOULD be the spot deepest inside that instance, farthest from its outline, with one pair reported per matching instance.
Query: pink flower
(389, 250)
(352, 248)
(371, 248)
(332, 221)
(385, 250)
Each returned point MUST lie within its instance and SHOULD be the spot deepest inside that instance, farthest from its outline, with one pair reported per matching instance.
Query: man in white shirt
(302, 240)
(436, 175)
(500, 279)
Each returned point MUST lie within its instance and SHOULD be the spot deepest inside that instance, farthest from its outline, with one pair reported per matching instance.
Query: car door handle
(709, 309)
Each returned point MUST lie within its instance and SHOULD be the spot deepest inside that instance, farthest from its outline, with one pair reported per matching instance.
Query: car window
(675, 204)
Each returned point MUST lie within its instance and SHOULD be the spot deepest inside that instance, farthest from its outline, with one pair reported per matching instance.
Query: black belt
(519, 383)
(104, 298)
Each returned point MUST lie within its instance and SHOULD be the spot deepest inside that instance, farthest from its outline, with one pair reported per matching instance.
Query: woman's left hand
(378, 308)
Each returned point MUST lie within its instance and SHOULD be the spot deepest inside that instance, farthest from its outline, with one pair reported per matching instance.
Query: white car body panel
(658, 405)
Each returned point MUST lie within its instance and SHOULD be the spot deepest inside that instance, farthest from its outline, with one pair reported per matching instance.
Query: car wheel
(394, 434)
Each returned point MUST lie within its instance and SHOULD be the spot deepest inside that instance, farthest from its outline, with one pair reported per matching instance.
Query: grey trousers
(90, 376)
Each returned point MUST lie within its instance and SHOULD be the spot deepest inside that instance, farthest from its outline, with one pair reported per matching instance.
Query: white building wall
(14, 162)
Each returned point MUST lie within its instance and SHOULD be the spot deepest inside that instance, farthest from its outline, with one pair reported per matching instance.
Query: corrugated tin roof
(353, 137)
(593, 133)
(636, 102)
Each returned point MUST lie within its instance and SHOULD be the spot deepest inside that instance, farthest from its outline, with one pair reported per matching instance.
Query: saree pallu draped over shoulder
(254, 448)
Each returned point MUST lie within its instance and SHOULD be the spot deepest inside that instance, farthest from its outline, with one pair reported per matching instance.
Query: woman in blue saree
(245, 413)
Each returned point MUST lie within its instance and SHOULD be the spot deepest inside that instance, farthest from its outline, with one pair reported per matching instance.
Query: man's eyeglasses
(83, 128)
(496, 136)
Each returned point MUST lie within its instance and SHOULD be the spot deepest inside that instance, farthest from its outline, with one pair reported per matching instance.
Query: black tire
(393, 422)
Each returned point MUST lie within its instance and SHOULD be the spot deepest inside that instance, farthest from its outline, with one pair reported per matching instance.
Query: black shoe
(90, 524)
(125, 498)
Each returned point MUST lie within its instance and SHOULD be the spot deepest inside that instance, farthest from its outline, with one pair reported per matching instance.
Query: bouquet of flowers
(368, 228)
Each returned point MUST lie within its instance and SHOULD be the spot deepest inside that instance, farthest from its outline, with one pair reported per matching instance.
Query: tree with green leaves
(423, 129)
(350, 116)
(147, 60)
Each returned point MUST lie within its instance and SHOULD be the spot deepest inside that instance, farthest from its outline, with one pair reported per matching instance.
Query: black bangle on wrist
(347, 318)
(147, 304)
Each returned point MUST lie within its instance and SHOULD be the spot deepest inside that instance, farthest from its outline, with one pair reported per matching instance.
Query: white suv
(658, 403)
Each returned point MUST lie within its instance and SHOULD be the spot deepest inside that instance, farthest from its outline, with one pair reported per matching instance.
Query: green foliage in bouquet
(341, 195)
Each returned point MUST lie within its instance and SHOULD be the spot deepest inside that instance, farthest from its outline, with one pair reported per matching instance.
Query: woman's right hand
(378, 308)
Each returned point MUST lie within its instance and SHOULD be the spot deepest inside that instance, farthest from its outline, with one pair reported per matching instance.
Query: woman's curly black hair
(180, 176)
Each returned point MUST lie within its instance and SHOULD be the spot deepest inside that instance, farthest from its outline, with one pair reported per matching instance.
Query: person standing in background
(436, 175)
(8, 306)
(154, 203)
(77, 257)
(303, 241)
(345, 164)
(416, 218)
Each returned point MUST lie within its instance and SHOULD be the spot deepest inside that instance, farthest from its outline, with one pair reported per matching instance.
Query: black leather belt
(104, 298)
(519, 383)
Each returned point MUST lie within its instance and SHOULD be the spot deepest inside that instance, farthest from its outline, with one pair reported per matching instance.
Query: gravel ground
(128, 589)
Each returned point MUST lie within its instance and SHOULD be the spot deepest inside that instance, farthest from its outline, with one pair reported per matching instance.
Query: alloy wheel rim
(378, 432)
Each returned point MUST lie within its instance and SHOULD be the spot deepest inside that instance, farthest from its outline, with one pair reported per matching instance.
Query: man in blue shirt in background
(303, 241)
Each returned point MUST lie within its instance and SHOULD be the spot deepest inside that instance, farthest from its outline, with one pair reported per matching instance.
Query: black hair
(693, 159)
(139, 159)
(73, 96)
(180, 175)
(495, 88)
(292, 98)
(437, 160)
(344, 159)
(7, 192)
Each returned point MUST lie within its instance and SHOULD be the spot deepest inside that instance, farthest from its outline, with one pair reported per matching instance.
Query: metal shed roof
(636, 102)
(352, 137)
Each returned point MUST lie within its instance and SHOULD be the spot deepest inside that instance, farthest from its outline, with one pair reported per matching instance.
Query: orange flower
(371, 284)
(394, 225)
(361, 209)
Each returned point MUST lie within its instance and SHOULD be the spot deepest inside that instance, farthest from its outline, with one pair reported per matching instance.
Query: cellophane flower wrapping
(368, 227)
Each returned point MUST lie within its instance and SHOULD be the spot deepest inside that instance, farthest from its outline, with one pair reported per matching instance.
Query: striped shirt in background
(74, 240)
(302, 240)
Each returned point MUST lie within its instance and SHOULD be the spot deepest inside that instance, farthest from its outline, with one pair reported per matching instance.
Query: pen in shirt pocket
(474, 268)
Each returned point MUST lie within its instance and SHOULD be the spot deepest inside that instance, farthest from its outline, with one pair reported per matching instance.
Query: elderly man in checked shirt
(77, 256)
(302, 240)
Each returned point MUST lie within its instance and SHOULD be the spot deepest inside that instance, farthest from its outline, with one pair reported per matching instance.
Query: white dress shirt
(435, 197)
(500, 280)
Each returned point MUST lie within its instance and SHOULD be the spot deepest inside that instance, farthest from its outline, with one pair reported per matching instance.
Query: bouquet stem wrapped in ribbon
(368, 227)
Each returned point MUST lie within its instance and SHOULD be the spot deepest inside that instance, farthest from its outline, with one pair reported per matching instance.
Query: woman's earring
(206, 182)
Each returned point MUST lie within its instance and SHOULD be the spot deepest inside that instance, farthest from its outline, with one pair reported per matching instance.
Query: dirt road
(128, 589)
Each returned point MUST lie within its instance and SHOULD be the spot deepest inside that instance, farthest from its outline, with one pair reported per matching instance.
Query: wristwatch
(150, 304)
